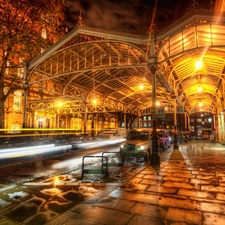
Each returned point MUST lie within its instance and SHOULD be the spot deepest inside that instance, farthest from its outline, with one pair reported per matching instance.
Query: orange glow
(94, 101)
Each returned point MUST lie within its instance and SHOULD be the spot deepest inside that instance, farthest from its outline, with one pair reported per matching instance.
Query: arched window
(17, 101)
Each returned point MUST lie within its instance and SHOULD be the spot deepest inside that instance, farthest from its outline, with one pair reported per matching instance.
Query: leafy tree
(27, 27)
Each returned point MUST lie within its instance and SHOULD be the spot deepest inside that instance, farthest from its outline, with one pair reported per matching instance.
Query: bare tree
(27, 27)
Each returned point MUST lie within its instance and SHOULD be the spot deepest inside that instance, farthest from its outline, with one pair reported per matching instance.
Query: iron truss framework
(114, 69)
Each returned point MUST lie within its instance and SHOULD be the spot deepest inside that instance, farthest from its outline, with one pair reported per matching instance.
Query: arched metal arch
(189, 44)
(70, 70)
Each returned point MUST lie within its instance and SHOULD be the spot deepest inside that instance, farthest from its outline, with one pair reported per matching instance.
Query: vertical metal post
(25, 87)
(125, 120)
(155, 159)
(85, 117)
(175, 145)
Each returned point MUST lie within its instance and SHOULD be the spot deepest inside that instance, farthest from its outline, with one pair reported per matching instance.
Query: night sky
(134, 16)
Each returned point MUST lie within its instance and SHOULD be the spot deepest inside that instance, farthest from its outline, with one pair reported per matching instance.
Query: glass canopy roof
(114, 68)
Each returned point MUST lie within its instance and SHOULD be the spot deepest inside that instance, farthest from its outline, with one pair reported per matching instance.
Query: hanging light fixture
(141, 86)
(199, 88)
(198, 64)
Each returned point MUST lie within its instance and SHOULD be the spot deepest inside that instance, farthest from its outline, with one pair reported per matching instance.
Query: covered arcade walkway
(96, 71)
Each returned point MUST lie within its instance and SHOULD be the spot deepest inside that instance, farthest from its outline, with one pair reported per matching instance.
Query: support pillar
(125, 120)
(85, 117)
(175, 145)
(25, 86)
(155, 159)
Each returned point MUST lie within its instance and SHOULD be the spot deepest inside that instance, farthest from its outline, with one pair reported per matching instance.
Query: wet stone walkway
(187, 188)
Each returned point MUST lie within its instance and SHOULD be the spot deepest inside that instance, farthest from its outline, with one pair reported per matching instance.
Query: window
(21, 69)
(44, 34)
(17, 101)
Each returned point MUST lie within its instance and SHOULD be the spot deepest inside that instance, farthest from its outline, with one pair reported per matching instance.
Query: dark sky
(132, 16)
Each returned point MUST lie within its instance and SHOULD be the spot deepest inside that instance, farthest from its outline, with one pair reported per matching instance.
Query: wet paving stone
(149, 210)
(186, 216)
(213, 219)
(117, 204)
(196, 194)
(213, 188)
(105, 216)
(161, 189)
(181, 191)
(181, 185)
(211, 207)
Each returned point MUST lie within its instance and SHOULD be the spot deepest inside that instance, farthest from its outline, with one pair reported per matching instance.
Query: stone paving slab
(178, 179)
(197, 194)
(145, 220)
(213, 219)
(149, 182)
(105, 216)
(161, 189)
(149, 210)
(189, 194)
(212, 188)
(114, 203)
(187, 216)
(211, 207)
(181, 185)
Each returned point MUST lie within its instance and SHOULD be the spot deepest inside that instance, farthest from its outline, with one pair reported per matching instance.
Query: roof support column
(85, 117)
(175, 145)
(155, 159)
(25, 89)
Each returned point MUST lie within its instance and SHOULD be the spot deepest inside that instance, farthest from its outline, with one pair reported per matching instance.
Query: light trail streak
(32, 151)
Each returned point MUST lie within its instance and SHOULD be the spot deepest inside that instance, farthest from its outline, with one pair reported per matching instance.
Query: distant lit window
(17, 101)
(145, 124)
(149, 124)
(20, 72)
(145, 118)
(199, 120)
(44, 34)
(149, 117)
(15, 128)
(209, 120)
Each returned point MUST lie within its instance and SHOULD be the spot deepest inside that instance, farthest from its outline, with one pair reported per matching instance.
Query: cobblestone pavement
(188, 187)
